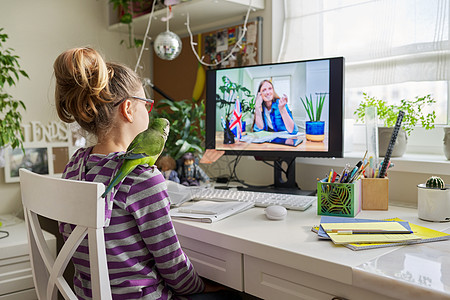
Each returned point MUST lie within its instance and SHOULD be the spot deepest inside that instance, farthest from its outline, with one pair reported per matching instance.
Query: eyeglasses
(148, 104)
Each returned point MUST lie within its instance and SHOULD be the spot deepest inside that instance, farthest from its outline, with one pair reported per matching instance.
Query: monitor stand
(284, 178)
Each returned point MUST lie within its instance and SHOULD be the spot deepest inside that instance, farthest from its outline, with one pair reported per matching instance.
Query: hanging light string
(193, 44)
(145, 37)
(230, 54)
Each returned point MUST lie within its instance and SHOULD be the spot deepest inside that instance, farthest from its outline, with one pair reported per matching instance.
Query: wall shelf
(203, 14)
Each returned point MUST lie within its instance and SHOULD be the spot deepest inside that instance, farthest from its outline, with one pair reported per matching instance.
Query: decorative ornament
(167, 45)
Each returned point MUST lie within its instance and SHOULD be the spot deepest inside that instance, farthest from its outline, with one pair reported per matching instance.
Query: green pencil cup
(339, 199)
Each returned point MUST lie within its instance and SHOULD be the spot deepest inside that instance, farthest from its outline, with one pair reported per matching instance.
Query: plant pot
(447, 142)
(228, 136)
(315, 131)
(2, 157)
(384, 137)
(433, 204)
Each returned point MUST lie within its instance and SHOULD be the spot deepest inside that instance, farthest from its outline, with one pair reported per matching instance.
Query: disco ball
(167, 45)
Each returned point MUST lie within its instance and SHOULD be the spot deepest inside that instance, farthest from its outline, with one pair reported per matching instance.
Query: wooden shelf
(202, 13)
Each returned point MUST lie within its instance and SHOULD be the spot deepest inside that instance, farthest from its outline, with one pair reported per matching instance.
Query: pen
(368, 231)
(365, 154)
(370, 169)
(353, 173)
(360, 171)
(344, 173)
(333, 179)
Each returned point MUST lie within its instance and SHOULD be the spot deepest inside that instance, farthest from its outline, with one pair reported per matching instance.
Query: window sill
(415, 163)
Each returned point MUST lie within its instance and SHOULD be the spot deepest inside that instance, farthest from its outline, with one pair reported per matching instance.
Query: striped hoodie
(145, 259)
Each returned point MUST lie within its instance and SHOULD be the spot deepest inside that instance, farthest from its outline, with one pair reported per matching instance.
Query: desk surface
(304, 146)
(291, 243)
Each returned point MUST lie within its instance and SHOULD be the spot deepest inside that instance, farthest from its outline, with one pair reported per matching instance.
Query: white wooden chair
(75, 202)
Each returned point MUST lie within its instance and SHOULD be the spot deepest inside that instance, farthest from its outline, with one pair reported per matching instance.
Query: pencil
(368, 231)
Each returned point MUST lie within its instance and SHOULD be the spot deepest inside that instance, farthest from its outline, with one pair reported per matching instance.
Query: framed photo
(41, 159)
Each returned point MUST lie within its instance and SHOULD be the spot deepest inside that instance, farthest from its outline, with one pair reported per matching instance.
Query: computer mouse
(275, 212)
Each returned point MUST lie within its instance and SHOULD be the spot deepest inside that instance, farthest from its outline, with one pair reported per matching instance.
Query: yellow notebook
(426, 234)
(339, 238)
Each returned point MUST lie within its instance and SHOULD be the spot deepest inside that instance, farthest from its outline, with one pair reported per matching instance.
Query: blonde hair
(87, 88)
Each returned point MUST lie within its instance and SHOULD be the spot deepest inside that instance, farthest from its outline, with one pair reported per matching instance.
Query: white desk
(16, 278)
(285, 260)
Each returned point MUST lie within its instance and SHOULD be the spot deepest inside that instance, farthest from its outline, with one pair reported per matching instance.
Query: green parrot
(144, 149)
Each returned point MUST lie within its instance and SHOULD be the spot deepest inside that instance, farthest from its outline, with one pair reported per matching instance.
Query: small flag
(236, 120)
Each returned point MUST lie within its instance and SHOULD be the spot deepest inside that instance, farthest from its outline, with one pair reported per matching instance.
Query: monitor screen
(292, 109)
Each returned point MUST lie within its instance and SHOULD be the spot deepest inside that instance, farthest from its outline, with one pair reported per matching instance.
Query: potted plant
(126, 11)
(388, 113)
(187, 126)
(315, 128)
(433, 200)
(10, 116)
(232, 92)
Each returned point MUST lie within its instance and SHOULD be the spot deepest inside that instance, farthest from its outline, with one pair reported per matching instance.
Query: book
(426, 234)
(209, 211)
(334, 231)
(331, 219)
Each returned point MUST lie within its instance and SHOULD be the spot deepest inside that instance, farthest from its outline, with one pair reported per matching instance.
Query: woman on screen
(271, 111)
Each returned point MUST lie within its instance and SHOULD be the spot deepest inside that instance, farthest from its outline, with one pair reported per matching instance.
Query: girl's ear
(126, 110)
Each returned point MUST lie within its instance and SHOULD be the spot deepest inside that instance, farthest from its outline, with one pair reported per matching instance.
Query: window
(394, 49)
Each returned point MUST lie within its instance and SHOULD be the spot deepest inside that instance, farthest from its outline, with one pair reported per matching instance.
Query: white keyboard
(289, 201)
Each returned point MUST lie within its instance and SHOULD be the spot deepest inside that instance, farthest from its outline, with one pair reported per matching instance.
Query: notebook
(209, 211)
(348, 238)
(426, 234)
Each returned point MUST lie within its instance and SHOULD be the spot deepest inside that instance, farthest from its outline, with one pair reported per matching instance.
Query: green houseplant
(187, 126)
(315, 128)
(127, 10)
(10, 115)
(232, 92)
(388, 113)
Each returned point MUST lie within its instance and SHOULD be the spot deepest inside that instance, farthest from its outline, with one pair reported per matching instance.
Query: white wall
(38, 32)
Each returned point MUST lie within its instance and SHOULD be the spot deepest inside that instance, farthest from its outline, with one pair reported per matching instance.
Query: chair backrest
(75, 202)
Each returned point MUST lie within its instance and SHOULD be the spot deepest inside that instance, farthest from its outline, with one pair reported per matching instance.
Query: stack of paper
(209, 211)
(340, 231)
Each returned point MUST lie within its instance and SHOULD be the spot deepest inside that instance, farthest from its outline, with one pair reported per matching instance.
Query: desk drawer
(218, 264)
(15, 274)
(29, 294)
(273, 281)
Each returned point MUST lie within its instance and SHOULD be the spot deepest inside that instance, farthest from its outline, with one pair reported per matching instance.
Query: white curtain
(383, 41)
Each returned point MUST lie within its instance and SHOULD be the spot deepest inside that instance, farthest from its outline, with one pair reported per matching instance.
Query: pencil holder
(375, 193)
(339, 199)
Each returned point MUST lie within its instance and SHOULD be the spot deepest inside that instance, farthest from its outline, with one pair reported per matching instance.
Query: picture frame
(40, 158)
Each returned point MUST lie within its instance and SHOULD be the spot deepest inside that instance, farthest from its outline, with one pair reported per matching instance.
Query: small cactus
(435, 182)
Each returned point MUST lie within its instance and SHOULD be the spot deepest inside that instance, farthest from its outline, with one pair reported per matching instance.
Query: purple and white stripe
(145, 259)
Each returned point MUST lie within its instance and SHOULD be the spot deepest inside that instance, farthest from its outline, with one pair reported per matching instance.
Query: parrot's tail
(118, 178)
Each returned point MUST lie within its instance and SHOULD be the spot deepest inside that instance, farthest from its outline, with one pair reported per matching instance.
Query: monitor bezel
(336, 119)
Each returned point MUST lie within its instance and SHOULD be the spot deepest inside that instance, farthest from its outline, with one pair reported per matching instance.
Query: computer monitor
(277, 112)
